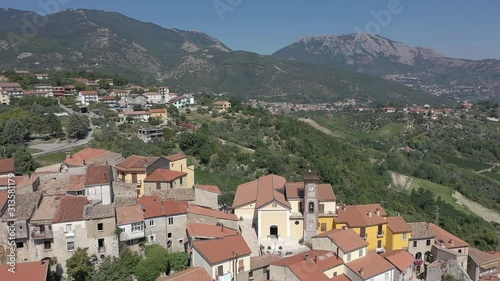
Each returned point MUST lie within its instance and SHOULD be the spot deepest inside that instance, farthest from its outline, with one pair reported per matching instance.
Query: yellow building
(398, 234)
(221, 105)
(368, 221)
(160, 113)
(178, 162)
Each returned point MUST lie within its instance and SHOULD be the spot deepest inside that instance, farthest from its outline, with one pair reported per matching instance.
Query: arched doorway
(418, 256)
(273, 231)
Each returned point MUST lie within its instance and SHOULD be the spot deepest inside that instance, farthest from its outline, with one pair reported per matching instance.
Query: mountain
(377, 55)
(189, 60)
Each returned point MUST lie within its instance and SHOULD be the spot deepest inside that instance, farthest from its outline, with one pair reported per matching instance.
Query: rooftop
(71, 208)
(99, 212)
(26, 204)
(483, 259)
(175, 157)
(211, 213)
(3, 198)
(346, 239)
(295, 190)
(155, 207)
(261, 192)
(32, 271)
(190, 274)
(401, 259)
(76, 182)
(210, 188)
(164, 175)
(362, 215)
(420, 230)
(51, 184)
(47, 209)
(158, 110)
(88, 156)
(310, 265)
(98, 175)
(263, 261)
(7, 166)
(200, 230)
(369, 266)
(136, 163)
(398, 225)
(129, 214)
(446, 239)
(219, 250)
(89, 93)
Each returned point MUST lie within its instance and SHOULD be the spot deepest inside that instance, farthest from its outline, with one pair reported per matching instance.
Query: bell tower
(311, 206)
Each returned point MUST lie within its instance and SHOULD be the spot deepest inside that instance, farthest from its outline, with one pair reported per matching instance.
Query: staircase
(250, 237)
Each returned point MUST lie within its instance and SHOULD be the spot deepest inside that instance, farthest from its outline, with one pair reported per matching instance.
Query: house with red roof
(207, 195)
(165, 222)
(87, 97)
(98, 182)
(403, 263)
(91, 156)
(24, 271)
(130, 219)
(345, 243)
(370, 267)
(7, 167)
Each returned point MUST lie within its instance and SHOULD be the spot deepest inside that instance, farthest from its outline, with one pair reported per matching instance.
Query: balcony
(101, 250)
(42, 234)
(380, 234)
(380, 250)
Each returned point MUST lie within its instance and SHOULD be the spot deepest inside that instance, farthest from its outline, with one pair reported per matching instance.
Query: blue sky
(458, 28)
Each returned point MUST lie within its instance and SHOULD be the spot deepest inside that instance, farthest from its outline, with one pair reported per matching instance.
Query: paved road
(49, 148)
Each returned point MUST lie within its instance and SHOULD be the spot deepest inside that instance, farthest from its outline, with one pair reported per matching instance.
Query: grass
(492, 175)
(33, 150)
(224, 183)
(465, 163)
(50, 159)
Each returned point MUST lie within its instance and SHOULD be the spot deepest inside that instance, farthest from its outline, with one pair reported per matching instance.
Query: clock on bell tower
(310, 210)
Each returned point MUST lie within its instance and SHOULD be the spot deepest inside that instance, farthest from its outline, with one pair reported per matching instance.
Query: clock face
(311, 188)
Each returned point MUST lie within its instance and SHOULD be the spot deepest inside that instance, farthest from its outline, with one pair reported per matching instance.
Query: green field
(224, 183)
(50, 159)
(465, 163)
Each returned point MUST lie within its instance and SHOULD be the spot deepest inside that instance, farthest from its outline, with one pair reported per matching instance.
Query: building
(120, 93)
(7, 167)
(98, 184)
(370, 267)
(33, 271)
(159, 113)
(481, 264)
(449, 247)
(87, 97)
(190, 274)
(202, 231)
(178, 162)
(130, 219)
(38, 94)
(140, 116)
(91, 156)
(11, 89)
(4, 99)
(165, 222)
(100, 223)
(150, 134)
(162, 90)
(42, 237)
(162, 179)
(222, 105)
(155, 97)
(181, 101)
(136, 168)
(109, 101)
(421, 241)
(345, 243)
(223, 257)
(207, 196)
(398, 234)
(46, 88)
(42, 76)
(198, 214)
(403, 263)
(133, 99)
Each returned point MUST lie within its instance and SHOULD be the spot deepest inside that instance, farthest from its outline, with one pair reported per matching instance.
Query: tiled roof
(190, 274)
(398, 225)
(47, 209)
(361, 215)
(211, 213)
(481, 258)
(3, 198)
(209, 188)
(164, 175)
(85, 155)
(136, 113)
(311, 269)
(99, 212)
(296, 190)
(401, 259)
(25, 271)
(155, 207)
(18, 181)
(8, 85)
(98, 175)
(26, 204)
(52, 184)
(71, 208)
(179, 194)
(370, 266)
(175, 157)
(446, 239)
(221, 102)
(158, 110)
(263, 261)
(129, 214)
(7, 165)
(420, 230)
(219, 250)
(135, 163)
(152, 94)
(198, 230)
(172, 207)
(89, 93)
(346, 239)
(261, 192)
(76, 182)
(107, 98)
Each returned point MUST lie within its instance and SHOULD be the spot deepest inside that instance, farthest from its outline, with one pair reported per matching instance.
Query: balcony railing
(46, 234)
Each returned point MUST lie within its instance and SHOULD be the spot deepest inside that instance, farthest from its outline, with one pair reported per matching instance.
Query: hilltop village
(275, 229)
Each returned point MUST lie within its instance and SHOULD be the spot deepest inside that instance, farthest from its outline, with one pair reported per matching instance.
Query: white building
(182, 101)
(42, 76)
(98, 184)
(87, 97)
(155, 98)
(130, 220)
(11, 89)
(371, 267)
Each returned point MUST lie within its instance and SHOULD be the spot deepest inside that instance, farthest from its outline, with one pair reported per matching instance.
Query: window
(70, 246)
(241, 266)
(414, 244)
(460, 251)
(19, 245)
(170, 220)
(169, 243)
(360, 252)
(180, 180)
(138, 226)
(379, 244)
(311, 207)
(151, 223)
(100, 226)
(47, 245)
(297, 222)
(428, 242)
(386, 276)
(134, 177)
(68, 228)
(20, 227)
(158, 185)
(151, 238)
(220, 270)
(323, 226)
(181, 241)
(169, 235)
(405, 236)
(79, 192)
(335, 273)
(171, 185)
(362, 232)
(349, 257)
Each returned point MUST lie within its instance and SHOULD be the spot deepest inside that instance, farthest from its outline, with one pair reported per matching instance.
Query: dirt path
(478, 209)
(318, 127)
(223, 141)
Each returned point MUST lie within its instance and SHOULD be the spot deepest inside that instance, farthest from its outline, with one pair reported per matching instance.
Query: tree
(155, 263)
(178, 261)
(53, 125)
(80, 266)
(137, 107)
(153, 121)
(23, 161)
(14, 131)
(77, 126)
(215, 113)
(173, 111)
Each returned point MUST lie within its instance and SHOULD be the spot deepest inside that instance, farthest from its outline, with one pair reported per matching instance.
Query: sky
(456, 28)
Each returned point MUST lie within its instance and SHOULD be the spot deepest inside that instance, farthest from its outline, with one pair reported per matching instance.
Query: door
(219, 271)
(273, 231)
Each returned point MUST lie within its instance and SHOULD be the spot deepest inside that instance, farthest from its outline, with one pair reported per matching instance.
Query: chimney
(361, 271)
(68, 155)
(451, 242)
(83, 162)
(370, 214)
(378, 212)
(315, 259)
(306, 257)
(222, 227)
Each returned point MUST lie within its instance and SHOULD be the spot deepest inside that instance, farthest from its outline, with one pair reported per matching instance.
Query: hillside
(377, 55)
(111, 42)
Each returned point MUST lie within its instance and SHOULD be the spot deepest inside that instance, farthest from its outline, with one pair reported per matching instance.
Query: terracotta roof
(371, 265)
(155, 207)
(26, 204)
(346, 239)
(420, 230)
(164, 175)
(172, 207)
(341, 277)
(129, 214)
(263, 261)
(190, 274)
(3, 198)
(209, 188)
(83, 156)
(398, 225)
(25, 271)
(296, 190)
(401, 259)
(71, 208)
(312, 269)
(447, 239)
(7, 165)
(211, 213)
(135, 163)
(175, 157)
(200, 230)
(219, 250)
(47, 209)
(18, 181)
(107, 98)
(359, 215)
(8, 85)
(481, 258)
(76, 182)
(158, 110)
(98, 175)
(221, 102)
(261, 192)
(136, 113)
(89, 93)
